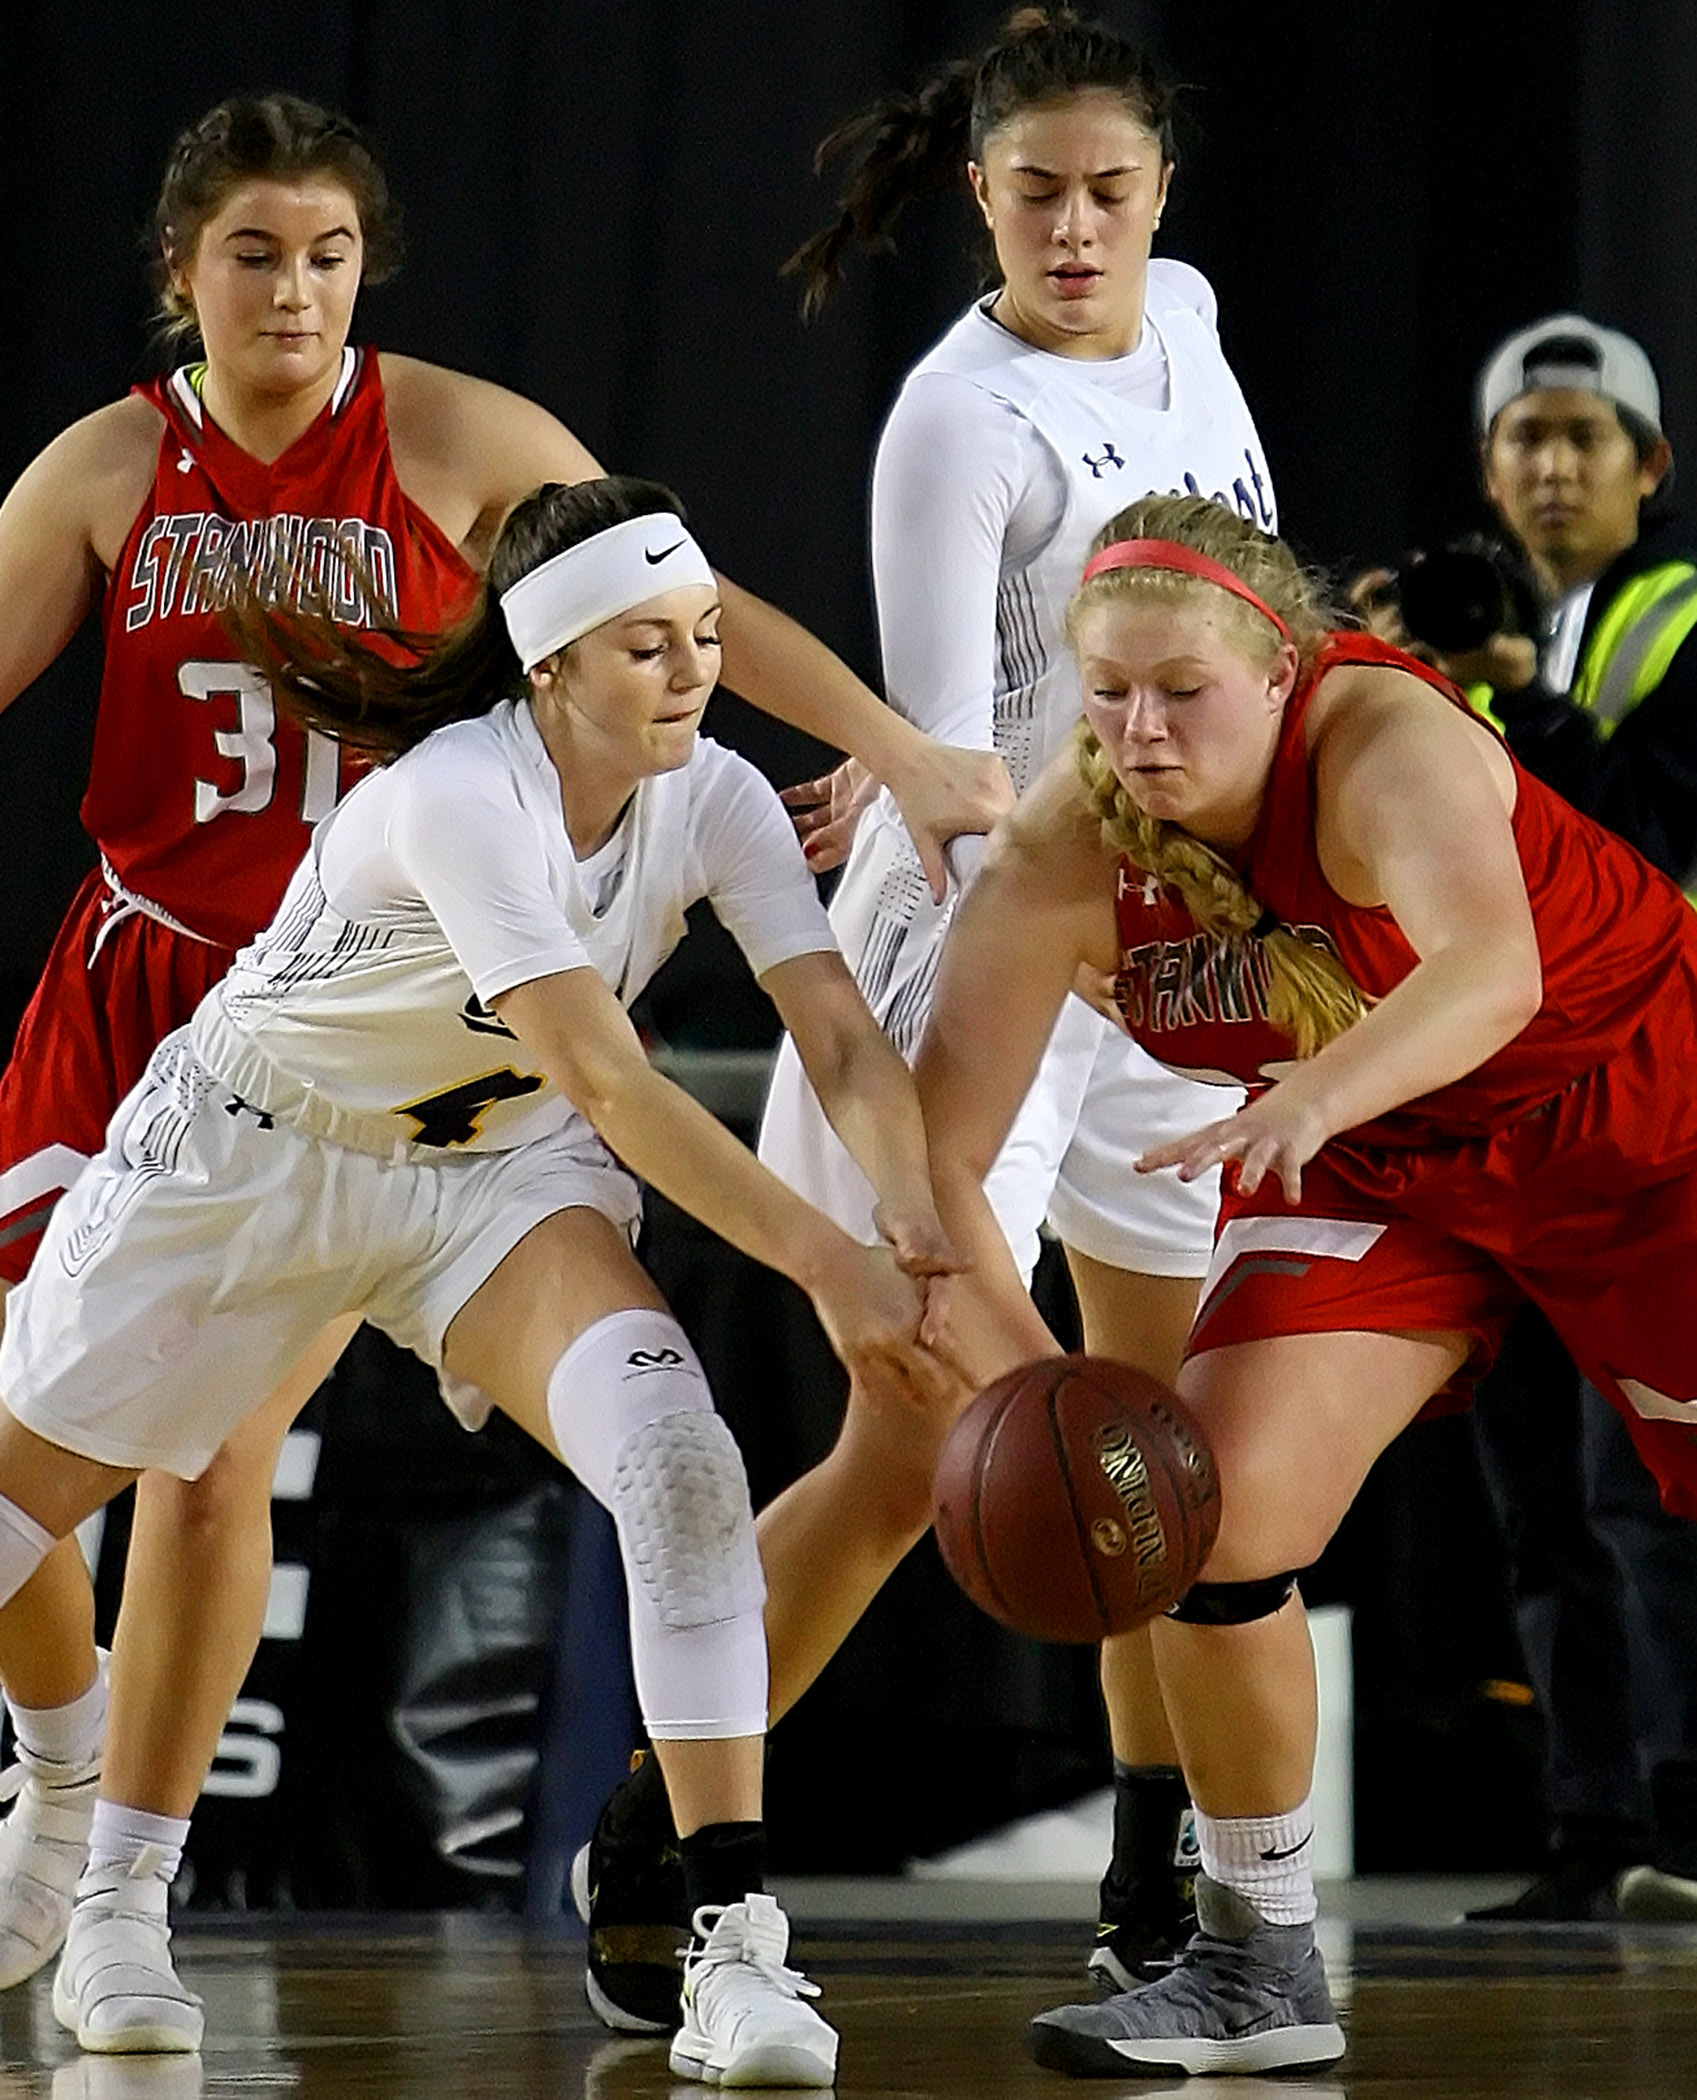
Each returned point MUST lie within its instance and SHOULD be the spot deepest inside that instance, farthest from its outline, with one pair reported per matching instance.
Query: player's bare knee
(1267, 1523)
(230, 1499)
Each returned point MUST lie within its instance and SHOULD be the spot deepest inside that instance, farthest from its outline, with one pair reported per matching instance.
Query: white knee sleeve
(24, 1545)
(634, 1420)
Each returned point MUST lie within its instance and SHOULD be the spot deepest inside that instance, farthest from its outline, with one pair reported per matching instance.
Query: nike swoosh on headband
(596, 579)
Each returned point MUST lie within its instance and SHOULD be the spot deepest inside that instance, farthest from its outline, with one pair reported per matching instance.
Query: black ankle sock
(1149, 1801)
(645, 1793)
(723, 1863)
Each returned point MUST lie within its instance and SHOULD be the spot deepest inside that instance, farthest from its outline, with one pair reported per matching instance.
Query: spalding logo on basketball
(1076, 1498)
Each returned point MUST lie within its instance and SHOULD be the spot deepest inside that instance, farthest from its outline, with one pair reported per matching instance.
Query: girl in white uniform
(418, 1096)
(1091, 375)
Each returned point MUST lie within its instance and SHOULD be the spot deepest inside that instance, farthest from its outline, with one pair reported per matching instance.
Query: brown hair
(906, 145)
(251, 138)
(1311, 996)
(386, 699)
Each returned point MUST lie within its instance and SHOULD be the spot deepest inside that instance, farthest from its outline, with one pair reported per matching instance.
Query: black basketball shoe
(628, 1886)
(1142, 1920)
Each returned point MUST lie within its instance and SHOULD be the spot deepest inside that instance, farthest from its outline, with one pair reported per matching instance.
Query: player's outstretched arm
(1413, 810)
(868, 1094)
(583, 1040)
(1041, 904)
(941, 789)
(467, 450)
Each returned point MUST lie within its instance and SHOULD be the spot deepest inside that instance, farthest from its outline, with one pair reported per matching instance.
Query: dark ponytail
(903, 147)
(388, 693)
(907, 146)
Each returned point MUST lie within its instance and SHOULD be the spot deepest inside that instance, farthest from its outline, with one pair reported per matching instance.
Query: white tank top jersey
(362, 1014)
(997, 467)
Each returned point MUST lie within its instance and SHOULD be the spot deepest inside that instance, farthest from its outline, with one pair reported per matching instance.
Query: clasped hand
(873, 1309)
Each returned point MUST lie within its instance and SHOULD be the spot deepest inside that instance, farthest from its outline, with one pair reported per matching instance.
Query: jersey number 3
(252, 746)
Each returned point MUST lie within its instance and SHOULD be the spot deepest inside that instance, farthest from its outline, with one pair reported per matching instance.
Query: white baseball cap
(1566, 350)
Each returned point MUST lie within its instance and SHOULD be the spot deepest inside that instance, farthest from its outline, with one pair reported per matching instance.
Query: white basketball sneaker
(116, 1989)
(43, 1847)
(745, 2017)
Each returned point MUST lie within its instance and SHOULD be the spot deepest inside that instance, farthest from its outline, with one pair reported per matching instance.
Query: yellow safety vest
(1633, 643)
(1629, 651)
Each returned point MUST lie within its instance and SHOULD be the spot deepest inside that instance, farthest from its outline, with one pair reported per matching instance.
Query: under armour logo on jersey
(185, 462)
(1110, 458)
(654, 1359)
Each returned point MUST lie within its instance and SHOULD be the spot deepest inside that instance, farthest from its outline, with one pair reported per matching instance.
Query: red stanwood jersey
(1613, 935)
(201, 796)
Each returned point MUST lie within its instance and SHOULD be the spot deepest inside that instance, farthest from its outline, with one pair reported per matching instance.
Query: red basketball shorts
(1587, 1207)
(116, 982)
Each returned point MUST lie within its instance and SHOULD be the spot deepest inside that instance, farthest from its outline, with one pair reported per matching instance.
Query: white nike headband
(598, 579)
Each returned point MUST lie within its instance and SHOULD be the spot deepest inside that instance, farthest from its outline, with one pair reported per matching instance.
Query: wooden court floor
(352, 2010)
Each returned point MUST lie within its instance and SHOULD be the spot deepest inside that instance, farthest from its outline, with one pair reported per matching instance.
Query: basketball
(1075, 1498)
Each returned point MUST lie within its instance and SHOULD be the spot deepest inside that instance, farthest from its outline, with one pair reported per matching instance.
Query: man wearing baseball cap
(1571, 447)
(1603, 706)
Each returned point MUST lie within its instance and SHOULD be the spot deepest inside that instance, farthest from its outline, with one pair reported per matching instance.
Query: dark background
(598, 197)
(599, 193)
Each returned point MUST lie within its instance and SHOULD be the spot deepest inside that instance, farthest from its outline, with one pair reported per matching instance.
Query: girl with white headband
(417, 1096)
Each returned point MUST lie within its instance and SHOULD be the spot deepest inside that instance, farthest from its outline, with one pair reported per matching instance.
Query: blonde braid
(1311, 996)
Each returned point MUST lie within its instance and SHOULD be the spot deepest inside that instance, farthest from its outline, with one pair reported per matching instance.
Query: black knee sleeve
(1234, 1603)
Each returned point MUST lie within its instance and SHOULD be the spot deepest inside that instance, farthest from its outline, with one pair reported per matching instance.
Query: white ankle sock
(121, 1835)
(71, 1735)
(1268, 1860)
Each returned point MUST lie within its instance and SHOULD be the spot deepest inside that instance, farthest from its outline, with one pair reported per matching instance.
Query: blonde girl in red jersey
(270, 457)
(1467, 1015)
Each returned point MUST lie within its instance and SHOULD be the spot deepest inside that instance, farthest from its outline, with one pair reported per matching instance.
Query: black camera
(1455, 598)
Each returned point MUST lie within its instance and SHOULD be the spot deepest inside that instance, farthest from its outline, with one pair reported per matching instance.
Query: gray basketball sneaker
(1243, 1996)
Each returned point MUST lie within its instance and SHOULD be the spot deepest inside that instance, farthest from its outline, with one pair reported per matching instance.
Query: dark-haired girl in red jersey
(1467, 1016)
(312, 468)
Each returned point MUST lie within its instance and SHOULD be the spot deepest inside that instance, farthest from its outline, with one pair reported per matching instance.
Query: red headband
(1170, 554)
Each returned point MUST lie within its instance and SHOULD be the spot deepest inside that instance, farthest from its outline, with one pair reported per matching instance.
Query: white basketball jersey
(1110, 451)
(1088, 439)
(362, 1013)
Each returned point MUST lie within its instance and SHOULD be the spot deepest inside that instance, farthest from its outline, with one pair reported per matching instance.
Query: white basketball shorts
(206, 1246)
